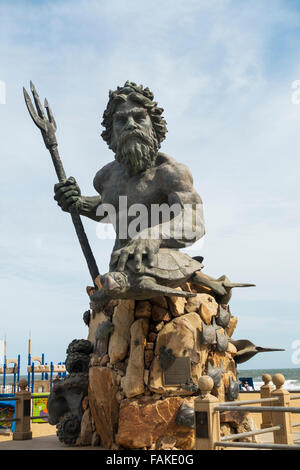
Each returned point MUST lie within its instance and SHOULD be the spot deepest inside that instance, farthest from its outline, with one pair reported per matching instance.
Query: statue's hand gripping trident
(47, 127)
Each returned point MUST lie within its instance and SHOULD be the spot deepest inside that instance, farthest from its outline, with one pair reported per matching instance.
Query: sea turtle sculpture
(171, 268)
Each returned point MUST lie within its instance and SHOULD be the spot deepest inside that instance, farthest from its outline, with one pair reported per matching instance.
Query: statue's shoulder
(104, 174)
(170, 168)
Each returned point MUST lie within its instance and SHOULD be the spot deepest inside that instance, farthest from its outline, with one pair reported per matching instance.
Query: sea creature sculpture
(190, 386)
(166, 357)
(223, 316)
(215, 373)
(246, 350)
(185, 416)
(222, 287)
(208, 333)
(233, 390)
(211, 335)
(87, 317)
(171, 268)
(102, 334)
(65, 400)
(222, 341)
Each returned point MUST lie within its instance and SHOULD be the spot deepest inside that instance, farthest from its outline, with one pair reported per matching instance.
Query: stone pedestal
(143, 383)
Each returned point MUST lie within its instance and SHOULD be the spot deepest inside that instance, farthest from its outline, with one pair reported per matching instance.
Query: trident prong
(50, 114)
(37, 101)
(36, 119)
(47, 126)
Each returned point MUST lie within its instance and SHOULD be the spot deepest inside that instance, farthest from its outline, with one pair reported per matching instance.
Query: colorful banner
(39, 407)
(7, 411)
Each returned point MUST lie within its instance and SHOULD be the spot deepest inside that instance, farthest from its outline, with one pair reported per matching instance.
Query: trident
(48, 128)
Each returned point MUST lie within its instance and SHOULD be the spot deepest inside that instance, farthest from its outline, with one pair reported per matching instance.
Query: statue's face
(133, 138)
(128, 117)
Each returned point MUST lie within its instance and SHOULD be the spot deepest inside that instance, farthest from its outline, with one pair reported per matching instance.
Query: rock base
(148, 358)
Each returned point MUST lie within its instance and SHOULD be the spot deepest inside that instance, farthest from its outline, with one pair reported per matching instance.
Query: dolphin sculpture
(246, 350)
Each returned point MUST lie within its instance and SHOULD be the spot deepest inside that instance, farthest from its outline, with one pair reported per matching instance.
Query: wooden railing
(274, 407)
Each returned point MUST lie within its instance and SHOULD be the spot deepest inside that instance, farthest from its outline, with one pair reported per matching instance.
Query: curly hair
(140, 95)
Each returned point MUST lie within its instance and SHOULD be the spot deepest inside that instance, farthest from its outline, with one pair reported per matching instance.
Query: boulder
(160, 300)
(145, 421)
(160, 314)
(149, 355)
(96, 320)
(177, 305)
(246, 426)
(143, 309)
(133, 382)
(182, 337)
(86, 432)
(122, 320)
(208, 308)
(103, 403)
(234, 418)
(193, 304)
(232, 349)
(231, 327)
(226, 429)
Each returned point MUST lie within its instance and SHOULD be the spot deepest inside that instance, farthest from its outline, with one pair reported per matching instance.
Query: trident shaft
(48, 128)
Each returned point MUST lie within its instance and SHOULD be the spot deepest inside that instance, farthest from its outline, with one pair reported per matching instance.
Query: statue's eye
(139, 117)
(120, 119)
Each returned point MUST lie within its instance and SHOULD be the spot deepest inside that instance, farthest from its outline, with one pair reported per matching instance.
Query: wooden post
(23, 407)
(265, 392)
(285, 435)
(207, 421)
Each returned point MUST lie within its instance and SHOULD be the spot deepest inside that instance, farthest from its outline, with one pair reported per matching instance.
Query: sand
(38, 430)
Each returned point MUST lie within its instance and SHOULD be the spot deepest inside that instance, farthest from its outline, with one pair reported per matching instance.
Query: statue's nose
(130, 124)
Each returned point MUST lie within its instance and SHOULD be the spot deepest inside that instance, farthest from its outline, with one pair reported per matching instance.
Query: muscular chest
(145, 188)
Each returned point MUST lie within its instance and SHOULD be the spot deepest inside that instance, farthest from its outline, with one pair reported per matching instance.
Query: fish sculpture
(185, 416)
(215, 373)
(233, 390)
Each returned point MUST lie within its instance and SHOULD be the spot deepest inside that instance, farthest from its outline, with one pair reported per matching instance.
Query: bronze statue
(134, 130)
(145, 260)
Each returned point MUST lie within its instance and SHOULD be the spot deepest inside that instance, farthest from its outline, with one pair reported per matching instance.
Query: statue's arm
(68, 193)
(88, 206)
(186, 223)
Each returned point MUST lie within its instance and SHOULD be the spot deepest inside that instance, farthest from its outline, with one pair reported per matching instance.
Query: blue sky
(223, 72)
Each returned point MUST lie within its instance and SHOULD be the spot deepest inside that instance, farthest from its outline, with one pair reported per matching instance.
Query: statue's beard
(137, 151)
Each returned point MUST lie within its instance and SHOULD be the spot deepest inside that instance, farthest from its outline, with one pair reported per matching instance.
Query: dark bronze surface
(179, 372)
(201, 425)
